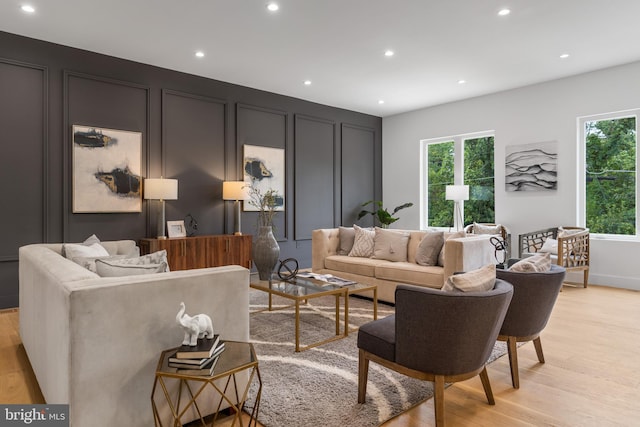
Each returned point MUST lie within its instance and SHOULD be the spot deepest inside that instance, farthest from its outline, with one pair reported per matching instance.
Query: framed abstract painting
(263, 169)
(107, 166)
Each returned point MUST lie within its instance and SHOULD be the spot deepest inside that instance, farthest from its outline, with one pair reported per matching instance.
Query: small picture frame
(176, 229)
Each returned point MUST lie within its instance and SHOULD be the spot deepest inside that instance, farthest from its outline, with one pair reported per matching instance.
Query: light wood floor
(591, 378)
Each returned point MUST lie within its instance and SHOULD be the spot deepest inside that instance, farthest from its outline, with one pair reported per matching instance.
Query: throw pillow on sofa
(78, 250)
(448, 236)
(363, 242)
(482, 279)
(90, 262)
(550, 245)
(88, 242)
(390, 245)
(116, 269)
(346, 235)
(429, 248)
(538, 263)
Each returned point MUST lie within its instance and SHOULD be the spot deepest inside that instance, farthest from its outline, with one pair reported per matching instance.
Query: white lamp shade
(161, 189)
(457, 192)
(234, 190)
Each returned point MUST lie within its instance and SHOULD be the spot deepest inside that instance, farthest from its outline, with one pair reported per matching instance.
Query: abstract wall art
(264, 170)
(532, 167)
(107, 166)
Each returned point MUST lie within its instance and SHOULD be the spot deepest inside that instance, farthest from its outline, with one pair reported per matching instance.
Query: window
(610, 187)
(464, 159)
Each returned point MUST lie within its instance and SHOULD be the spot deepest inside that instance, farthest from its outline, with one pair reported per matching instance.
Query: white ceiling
(339, 44)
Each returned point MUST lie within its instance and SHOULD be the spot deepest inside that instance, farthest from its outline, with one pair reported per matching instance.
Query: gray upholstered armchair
(534, 295)
(436, 336)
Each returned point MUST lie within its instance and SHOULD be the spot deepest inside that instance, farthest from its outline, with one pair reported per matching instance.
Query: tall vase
(265, 252)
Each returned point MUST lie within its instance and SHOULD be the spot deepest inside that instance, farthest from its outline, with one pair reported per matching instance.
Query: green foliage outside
(611, 176)
(479, 175)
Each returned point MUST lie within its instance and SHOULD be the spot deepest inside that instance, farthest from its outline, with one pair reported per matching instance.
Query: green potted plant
(383, 216)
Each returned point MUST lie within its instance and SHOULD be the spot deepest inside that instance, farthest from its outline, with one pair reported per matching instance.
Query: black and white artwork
(264, 170)
(107, 167)
(532, 167)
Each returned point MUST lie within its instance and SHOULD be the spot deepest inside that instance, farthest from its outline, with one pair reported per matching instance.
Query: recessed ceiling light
(461, 82)
(504, 12)
(381, 101)
(388, 53)
(564, 56)
(273, 6)
(28, 8)
(200, 54)
(307, 82)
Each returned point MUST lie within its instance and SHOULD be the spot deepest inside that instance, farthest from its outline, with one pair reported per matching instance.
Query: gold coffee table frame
(303, 289)
(236, 357)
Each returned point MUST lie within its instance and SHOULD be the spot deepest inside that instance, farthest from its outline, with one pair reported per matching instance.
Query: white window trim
(581, 158)
(458, 168)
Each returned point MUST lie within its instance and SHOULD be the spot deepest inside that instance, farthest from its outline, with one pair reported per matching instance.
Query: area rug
(320, 386)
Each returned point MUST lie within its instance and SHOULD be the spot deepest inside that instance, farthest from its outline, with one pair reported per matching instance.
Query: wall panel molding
(113, 118)
(256, 125)
(314, 174)
(11, 254)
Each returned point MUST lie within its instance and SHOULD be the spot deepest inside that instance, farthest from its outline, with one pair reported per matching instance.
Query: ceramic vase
(265, 252)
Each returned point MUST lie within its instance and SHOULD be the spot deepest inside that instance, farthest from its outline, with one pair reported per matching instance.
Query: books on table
(203, 349)
(192, 362)
(329, 278)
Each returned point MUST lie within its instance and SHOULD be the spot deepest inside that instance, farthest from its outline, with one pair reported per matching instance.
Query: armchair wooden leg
(538, 345)
(484, 377)
(438, 399)
(363, 373)
(586, 278)
(513, 361)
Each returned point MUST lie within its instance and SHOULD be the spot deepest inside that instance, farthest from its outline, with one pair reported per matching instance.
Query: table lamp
(236, 191)
(457, 193)
(161, 189)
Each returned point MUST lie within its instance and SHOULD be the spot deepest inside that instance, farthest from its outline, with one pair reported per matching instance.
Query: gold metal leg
(297, 326)
(346, 313)
(346, 309)
(375, 303)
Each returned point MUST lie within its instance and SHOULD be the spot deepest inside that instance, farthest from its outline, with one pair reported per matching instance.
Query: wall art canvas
(264, 170)
(107, 166)
(531, 167)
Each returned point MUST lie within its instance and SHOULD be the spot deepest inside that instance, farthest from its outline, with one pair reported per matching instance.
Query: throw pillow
(487, 229)
(90, 262)
(106, 268)
(538, 263)
(346, 235)
(562, 232)
(78, 250)
(550, 245)
(88, 242)
(482, 279)
(154, 258)
(390, 244)
(429, 248)
(448, 236)
(363, 242)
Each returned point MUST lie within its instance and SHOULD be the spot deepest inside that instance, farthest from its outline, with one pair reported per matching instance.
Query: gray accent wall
(193, 129)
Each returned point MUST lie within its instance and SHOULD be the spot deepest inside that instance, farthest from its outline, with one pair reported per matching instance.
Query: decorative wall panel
(314, 175)
(267, 128)
(193, 146)
(98, 102)
(358, 172)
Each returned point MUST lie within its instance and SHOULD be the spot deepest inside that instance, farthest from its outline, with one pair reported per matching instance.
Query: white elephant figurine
(198, 326)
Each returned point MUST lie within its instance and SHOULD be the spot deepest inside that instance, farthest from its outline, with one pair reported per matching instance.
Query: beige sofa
(94, 342)
(461, 254)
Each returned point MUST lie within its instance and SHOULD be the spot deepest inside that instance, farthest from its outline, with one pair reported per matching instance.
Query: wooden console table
(185, 253)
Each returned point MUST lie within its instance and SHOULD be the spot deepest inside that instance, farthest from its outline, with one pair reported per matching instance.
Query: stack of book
(197, 360)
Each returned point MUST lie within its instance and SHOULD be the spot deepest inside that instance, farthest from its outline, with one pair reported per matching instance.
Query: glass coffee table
(301, 289)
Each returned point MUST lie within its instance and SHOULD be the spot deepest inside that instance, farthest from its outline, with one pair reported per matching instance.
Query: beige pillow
(429, 248)
(487, 229)
(90, 262)
(538, 263)
(448, 236)
(390, 244)
(363, 242)
(568, 232)
(550, 245)
(346, 235)
(79, 250)
(115, 269)
(155, 258)
(482, 279)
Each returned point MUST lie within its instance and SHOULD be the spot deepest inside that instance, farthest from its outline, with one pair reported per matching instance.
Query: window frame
(458, 168)
(581, 158)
